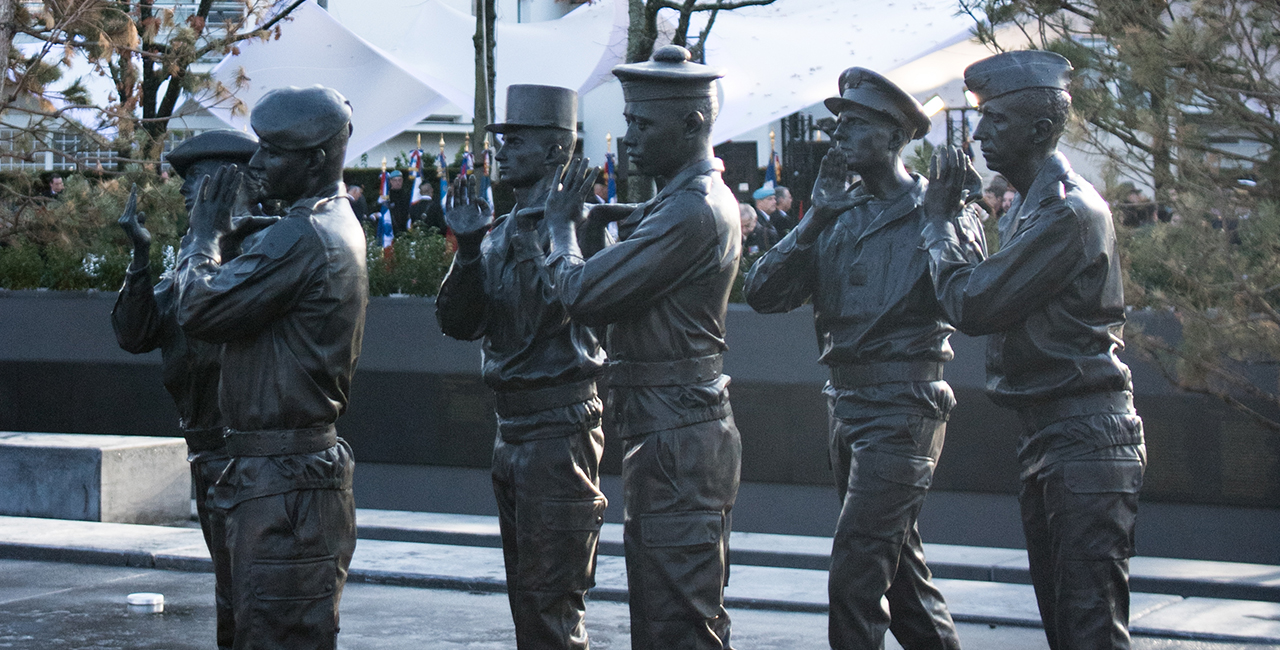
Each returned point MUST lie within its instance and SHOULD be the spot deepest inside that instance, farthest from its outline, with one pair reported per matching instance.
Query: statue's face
(522, 158)
(276, 173)
(865, 137)
(655, 131)
(1006, 135)
(191, 181)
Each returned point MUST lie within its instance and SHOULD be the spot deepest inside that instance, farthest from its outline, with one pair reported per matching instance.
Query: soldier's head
(671, 105)
(202, 155)
(302, 134)
(395, 180)
(539, 134)
(783, 197)
(765, 199)
(1024, 103)
(875, 120)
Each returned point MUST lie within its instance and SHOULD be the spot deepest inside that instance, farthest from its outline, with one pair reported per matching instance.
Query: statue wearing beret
(662, 291)
(542, 367)
(882, 333)
(289, 313)
(145, 318)
(1051, 304)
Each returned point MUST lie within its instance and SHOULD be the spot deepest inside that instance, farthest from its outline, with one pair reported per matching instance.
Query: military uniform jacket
(663, 291)
(868, 278)
(505, 296)
(1051, 299)
(290, 313)
(145, 319)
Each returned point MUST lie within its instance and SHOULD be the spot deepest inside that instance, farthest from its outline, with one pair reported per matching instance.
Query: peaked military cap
(295, 118)
(530, 105)
(669, 74)
(869, 89)
(1009, 71)
(222, 144)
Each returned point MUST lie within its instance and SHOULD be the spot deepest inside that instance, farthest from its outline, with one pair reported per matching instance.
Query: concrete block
(125, 479)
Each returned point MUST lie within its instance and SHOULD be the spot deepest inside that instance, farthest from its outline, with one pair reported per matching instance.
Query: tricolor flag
(486, 183)
(415, 164)
(610, 178)
(385, 231)
(773, 171)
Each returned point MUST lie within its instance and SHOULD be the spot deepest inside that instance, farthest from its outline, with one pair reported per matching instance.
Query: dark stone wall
(418, 399)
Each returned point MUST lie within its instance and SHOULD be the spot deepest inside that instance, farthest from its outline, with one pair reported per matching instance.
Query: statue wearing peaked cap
(1051, 304)
(542, 367)
(662, 293)
(884, 338)
(145, 318)
(289, 314)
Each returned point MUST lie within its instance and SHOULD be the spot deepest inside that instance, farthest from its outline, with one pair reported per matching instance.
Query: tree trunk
(485, 74)
(6, 43)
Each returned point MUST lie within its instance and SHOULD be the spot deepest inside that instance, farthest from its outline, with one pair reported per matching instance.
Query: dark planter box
(418, 399)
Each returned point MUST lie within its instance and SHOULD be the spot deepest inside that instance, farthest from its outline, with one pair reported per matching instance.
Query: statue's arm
(461, 303)
(136, 317)
(783, 278)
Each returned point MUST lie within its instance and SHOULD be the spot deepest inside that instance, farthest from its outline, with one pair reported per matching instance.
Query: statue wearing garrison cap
(883, 335)
(662, 291)
(542, 367)
(289, 313)
(1051, 303)
(145, 318)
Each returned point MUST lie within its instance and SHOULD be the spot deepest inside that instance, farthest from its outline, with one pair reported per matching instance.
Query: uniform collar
(895, 208)
(1053, 171)
(687, 174)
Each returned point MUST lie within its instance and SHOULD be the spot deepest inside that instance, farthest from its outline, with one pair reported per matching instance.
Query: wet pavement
(62, 606)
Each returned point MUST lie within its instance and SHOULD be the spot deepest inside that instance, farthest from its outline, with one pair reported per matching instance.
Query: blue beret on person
(297, 119)
(762, 193)
(395, 173)
(1012, 71)
(870, 89)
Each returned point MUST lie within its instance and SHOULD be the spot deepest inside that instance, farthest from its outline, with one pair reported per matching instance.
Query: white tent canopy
(313, 48)
(401, 60)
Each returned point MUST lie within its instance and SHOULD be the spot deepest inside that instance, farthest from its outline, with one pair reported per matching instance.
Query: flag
(385, 232)
(610, 178)
(415, 165)
(486, 183)
(772, 171)
(468, 162)
(442, 170)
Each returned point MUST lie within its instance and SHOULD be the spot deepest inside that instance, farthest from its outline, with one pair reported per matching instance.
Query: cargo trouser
(679, 486)
(883, 464)
(206, 467)
(549, 511)
(291, 532)
(1079, 516)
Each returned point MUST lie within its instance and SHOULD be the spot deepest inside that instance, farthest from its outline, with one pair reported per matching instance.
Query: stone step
(479, 568)
(1188, 578)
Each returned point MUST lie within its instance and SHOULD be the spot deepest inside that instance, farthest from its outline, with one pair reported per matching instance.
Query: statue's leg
(206, 467)
(679, 486)
(554, 485)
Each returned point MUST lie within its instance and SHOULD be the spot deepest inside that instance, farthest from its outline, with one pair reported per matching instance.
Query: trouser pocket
(679, 564)
(557, 548)
(294, 603)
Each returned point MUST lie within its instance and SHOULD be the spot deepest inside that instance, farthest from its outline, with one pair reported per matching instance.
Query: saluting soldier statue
(1051, 303)
(146, 318)
(289, 312)
(882, 333)
(663, 291)
(542, 367)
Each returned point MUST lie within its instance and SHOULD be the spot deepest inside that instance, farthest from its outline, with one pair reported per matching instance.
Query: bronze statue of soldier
(542, 367)
(882, 333)
(662, 291)
(1051, 303)
(289, 313)
(145, 318)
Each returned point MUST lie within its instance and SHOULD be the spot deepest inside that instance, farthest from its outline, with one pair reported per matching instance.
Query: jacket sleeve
(136, 316)
(674, 243)
(985, 296)
(220, 302)
(783, 278)
(461, 303)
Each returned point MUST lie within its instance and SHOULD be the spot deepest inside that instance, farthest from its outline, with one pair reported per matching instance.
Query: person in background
(781, 218)
(355, 194)
(747, 214)
(765, 234)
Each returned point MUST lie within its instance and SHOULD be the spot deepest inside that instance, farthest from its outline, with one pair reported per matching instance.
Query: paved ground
(57, 606)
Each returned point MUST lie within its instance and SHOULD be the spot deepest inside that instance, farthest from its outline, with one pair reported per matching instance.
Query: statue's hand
(606, 213)
(242, 227)
(131, 222)
(470, 217)
(569, 190)
(831, 192)
(211, 216)
(948, 176)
